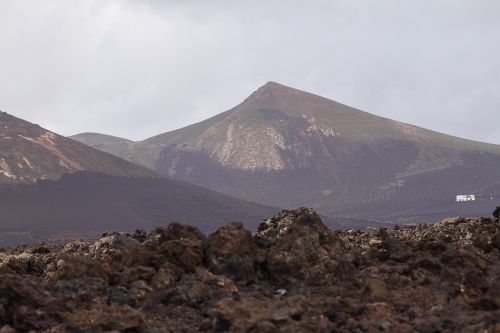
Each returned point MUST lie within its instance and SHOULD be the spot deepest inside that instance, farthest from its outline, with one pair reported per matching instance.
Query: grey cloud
(139, 68)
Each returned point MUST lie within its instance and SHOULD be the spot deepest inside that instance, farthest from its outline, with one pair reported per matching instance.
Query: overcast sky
(138, 68)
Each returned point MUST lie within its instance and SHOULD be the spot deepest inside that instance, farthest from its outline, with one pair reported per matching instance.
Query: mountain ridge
(272, 89)
(292, 148)
(55, 187)
(31, 153)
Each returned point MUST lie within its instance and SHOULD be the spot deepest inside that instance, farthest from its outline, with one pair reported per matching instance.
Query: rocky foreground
(292, 275)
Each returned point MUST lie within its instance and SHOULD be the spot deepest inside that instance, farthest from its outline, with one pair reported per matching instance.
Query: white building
(466, 197)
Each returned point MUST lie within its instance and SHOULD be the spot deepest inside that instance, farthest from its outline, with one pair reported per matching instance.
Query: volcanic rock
(114, 242)
(299, 246)
(232, 251)
(496, 213)
(292, 275)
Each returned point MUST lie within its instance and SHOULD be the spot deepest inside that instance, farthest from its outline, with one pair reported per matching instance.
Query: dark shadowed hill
(289, 148)
(52, 187)
(85, 204)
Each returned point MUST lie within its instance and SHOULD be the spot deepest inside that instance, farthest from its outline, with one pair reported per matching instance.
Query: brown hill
(290, 148)
(106, 143)
(30, 153)
(52, 187)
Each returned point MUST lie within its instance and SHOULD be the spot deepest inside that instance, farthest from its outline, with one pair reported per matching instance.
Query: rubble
(292, 275)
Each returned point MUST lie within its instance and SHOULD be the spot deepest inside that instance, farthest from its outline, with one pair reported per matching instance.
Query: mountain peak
(273, 89)
(275, 86)
(289, 147)
(270, 85)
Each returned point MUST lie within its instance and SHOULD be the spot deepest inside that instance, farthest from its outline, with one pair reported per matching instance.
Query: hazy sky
(137, 68)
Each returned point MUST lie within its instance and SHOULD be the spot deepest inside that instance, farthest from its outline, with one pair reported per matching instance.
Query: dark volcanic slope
(52, 186)
(291, 275)
(289, 148)
(89, 203)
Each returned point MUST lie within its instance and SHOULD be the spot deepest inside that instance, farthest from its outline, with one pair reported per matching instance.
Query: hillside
(106, 143)
(85, 204)
(31, 153)
(54, 188)
(290, 148)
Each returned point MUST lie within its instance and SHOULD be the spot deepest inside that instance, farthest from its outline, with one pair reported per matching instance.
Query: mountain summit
(291, 148)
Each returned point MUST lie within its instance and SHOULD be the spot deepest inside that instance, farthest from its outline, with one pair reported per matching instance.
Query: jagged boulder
(269, 315)
(300, 247)
(496, 213)
(74, 267)
(196, 289)
(232, 251)
(113, 242)
(180, 245)
(100, 317)
(173, 231)
(20, 298)
(288, 222)
(76, 247)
